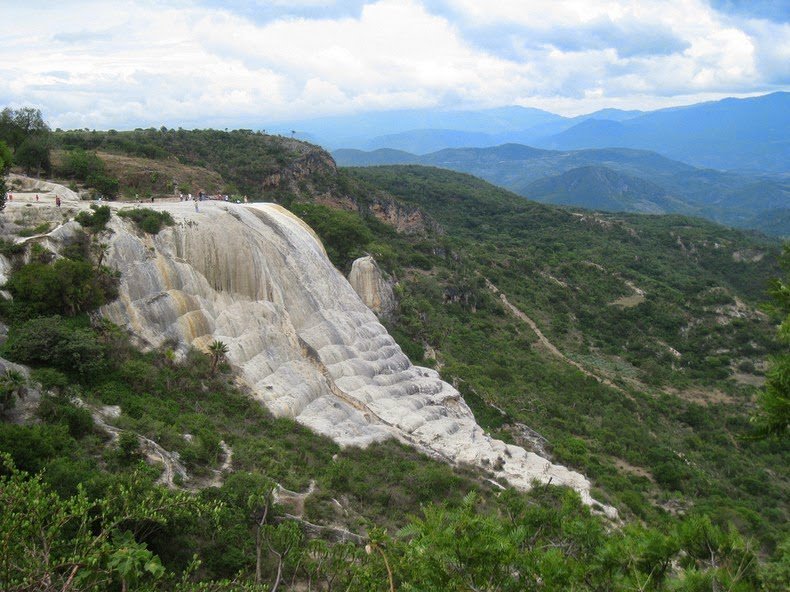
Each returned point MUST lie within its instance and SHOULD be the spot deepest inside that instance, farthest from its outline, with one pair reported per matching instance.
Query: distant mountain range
(611, 179)
(747, 135)
(738, 134)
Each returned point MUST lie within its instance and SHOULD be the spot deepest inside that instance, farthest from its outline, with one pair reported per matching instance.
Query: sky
(125, 64)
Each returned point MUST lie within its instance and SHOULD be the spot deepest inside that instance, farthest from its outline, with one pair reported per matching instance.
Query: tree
(217, 351)
(773, 414)
(5, 165)
(18, 125)
(33, 154)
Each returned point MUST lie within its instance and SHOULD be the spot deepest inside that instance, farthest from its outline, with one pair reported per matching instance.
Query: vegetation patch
(95, 220)
(148, 220)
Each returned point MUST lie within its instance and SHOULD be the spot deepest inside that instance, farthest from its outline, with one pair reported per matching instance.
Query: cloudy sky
(123, 64)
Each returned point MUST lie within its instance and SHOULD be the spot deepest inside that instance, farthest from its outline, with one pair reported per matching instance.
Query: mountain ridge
(728, 198)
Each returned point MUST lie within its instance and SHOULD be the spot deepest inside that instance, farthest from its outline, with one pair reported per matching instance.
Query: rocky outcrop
(308, 161)
(403, 218)
(370, 285)
(257, 278)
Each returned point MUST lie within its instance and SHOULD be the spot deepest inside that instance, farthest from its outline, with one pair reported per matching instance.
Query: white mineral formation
(258, 279)
(369, 283)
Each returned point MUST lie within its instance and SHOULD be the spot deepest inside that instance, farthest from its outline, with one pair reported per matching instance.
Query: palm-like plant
(217, 350)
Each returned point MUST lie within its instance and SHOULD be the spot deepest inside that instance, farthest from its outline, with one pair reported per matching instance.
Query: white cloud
(97, 64)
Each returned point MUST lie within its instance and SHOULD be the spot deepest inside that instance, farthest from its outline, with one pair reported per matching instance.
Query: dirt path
(171, 466)
(545, 341)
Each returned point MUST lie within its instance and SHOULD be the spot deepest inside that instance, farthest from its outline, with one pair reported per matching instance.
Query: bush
(94, 221)
(148, 220)
(52, 341)
(57, 410)
(66, 287)
(31, 447)
(104, 184)
(344, 234)
(9, 248)
(80, 164)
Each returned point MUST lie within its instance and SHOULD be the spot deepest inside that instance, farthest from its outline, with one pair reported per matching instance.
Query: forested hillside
(628, 347)
(656, 184)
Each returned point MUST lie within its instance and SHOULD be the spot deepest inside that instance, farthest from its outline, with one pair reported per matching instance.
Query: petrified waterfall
(257, 278)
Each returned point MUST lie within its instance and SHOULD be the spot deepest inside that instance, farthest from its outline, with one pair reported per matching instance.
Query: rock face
(258, 279)
(369, 284)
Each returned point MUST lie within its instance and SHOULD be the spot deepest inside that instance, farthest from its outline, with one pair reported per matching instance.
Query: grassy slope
(669, 440)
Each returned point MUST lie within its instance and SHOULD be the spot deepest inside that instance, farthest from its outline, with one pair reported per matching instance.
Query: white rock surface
(258, 279)
(369, 284)
(29, 188)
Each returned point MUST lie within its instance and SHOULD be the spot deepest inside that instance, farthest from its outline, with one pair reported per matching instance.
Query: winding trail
(519, 314)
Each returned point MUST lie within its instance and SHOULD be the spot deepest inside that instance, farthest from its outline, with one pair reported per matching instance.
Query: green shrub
(94, 221)
(42, 228)
(58, 410)
(66, 287)
(344, 234)
(9, 248)
(80, 164)
(104, 184)
(31, 447)
(148, 220)
(52, 341)
(50, 379)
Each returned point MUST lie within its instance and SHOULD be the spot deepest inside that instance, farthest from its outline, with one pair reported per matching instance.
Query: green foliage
(106, 186)
(242, 157)
(148, 220)
(42, 228)
(34, 155)
(96, 220)
(6, 160)
(217, 351)
(10, 249)
(27, 134)
(53, 341)
(80, 164)
(773, 417)
(343, 233)
(12, 386)
(66, 286)
(78, 543)
(88, 167)
(17, 125)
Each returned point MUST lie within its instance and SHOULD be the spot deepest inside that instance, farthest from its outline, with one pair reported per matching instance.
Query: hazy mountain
(357, 131)
(353, 157)
(422, 141)
(737, 134)
(748, 135)
(601, 188)
(729, 198)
